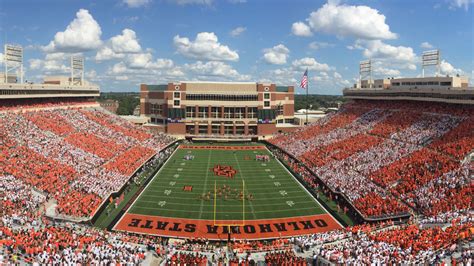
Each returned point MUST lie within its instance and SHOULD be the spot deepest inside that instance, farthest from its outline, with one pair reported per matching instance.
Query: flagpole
(307, 102)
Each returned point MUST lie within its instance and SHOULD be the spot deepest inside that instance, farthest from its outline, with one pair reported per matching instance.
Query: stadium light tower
(77, 70)
(431, 58)
(365, 70)
(13, 59)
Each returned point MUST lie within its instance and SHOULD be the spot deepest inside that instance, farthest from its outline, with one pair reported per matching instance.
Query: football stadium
(221, 173)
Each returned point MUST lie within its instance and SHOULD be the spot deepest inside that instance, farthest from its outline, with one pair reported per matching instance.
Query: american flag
(304, 80)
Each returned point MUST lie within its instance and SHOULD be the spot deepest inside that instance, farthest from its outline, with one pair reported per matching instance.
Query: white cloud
(357, 21)
(400, 56)
(325, 80)
(118, 46)
(136, 3)
(49, 66)
(162, 69)
(118, 68)
(386, 72)
(301, 29)
(310, 64)
(215, 70)
(426, 45)
(82, 34)
(319, 45)
(277, 55)
(106, 53)
(205, 47)
(35, 63)
(125, 43)
(323, 83)
(237, 31)
(460, 4)
(145, 60)
(281, 76)
(141, 60)
(91, 75)
(122, 78)
(448, 69)
(53, 63)
(137, 64)
(376, 49)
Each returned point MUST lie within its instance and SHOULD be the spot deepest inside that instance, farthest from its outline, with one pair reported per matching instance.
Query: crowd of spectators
(67, 154)
(405, 244)
(18, 203)
(68, 244)
(127, 162)
(381, 167)
(284, 258)
(388, 157)
(19, 105)
(27, 237)
(60, 154)
(182, 258)
(117, 124)
(457, 142)
(101, 147)
(451, 191)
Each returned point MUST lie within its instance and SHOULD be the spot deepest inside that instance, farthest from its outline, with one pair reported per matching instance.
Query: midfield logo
(224, 170)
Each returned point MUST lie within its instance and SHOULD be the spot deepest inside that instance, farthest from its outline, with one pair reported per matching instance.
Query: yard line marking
(205, 183)
(255, 200)
(242, 176)
(229, 205)
(151, 181)
(311, 196)
(174, 210)
(253, 184)
(262, 188)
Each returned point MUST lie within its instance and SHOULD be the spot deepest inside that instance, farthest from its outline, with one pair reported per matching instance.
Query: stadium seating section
(387, 158)
(77, 156)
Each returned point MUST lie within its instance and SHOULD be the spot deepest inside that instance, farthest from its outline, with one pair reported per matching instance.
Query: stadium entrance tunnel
(219, 230)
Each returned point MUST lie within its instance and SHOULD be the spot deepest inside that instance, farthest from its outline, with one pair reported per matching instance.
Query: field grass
(276, 194)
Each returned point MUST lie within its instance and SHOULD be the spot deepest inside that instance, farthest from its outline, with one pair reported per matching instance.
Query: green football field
(191, 189)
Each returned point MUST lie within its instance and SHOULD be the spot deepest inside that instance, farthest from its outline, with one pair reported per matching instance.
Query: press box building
(219, 109)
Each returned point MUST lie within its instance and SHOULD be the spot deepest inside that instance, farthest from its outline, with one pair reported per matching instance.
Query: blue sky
(128, 42)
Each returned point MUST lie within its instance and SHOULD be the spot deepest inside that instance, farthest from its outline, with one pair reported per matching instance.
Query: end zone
(252, 230)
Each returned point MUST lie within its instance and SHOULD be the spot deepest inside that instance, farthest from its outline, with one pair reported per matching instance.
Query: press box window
(176, 102)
